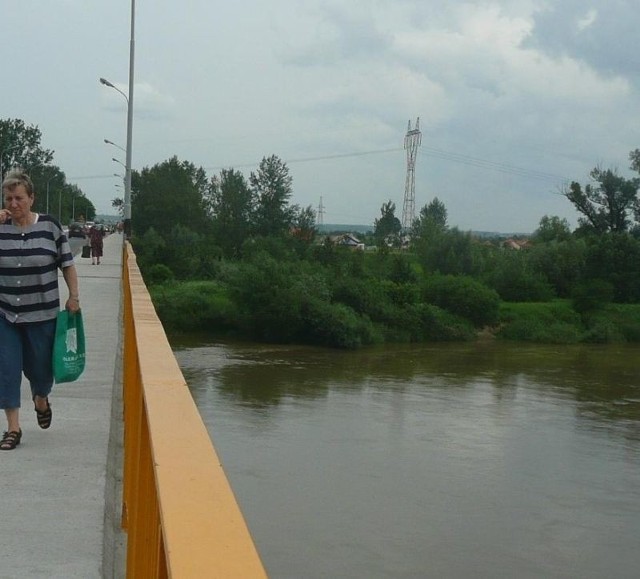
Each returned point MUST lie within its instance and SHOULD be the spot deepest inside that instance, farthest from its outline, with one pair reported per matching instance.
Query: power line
(313, 159)
(492, 165)
(426, 151)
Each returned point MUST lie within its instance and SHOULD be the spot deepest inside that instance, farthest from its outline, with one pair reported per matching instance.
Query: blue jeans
(25, 348)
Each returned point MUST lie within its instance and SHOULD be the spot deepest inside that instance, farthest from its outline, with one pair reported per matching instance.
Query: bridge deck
(58, 487)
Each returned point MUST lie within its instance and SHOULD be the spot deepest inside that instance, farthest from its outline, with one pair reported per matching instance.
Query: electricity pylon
(320, 216)
(412, 141)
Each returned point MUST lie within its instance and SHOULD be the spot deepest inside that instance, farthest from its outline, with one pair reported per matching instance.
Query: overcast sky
(516, 98)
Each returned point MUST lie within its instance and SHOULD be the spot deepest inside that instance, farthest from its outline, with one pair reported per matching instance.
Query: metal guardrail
(181, 517)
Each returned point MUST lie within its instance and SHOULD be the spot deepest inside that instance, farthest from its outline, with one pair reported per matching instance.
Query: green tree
(634, 157)
(151, 250)
(73, 204)
(20, 146)
(230, 204)
(168, 194)
(304, 222)
(615, 258)
(432, 218)
(562, 263)
(606, 204)
(463, 296)
(552, 229)
(184, 251)
(513, 276)
(387, 228)
(272, 187)
(450, 251)
(49, 183)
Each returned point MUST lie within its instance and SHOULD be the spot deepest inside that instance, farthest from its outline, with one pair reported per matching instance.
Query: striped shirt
(29, 262)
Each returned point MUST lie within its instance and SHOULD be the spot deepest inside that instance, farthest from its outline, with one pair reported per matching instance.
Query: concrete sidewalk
(59, 499)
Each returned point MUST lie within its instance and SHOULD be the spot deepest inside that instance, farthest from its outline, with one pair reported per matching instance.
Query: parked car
(77, 229)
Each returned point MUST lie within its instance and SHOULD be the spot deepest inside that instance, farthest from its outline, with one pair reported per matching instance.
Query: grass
(556, 322)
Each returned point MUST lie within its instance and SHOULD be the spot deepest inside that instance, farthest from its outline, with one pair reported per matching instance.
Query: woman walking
(32, 249)
(96, 239)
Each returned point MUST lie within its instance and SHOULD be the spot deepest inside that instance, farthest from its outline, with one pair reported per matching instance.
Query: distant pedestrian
(32, 249)
(96, 239)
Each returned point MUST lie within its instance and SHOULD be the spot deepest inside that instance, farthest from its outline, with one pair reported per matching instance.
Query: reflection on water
(450, 460)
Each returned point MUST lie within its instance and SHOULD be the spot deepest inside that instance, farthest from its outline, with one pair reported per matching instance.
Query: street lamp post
(108, 142)
(129, 99)
(44, 166)
(49, 181)
(119, 161)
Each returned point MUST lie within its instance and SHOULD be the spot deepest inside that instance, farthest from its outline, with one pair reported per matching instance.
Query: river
(419, 461)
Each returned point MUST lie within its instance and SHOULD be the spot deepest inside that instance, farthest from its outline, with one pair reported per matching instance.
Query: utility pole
(127, 173)
(320, 219)
(412, 141)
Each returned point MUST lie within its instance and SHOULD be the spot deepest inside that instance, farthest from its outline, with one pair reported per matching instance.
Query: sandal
(10, 439)
(44, 417)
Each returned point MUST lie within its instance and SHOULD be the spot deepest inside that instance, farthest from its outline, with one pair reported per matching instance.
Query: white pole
(127, 190)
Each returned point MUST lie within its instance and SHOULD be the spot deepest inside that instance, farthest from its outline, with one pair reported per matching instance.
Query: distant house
(347, 240)
(303, 234)
(516, 244)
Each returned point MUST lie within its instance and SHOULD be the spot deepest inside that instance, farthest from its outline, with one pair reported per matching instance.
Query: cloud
(602, 39)
(339, 35)
(588, 20)
(548, 86)
(148, 102)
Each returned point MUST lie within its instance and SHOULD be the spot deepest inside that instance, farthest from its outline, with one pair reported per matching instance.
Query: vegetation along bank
(233, 257)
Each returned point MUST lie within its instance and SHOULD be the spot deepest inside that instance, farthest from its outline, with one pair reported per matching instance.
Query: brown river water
(418, 461)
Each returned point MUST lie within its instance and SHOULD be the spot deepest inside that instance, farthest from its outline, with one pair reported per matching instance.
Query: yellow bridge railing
(179, 512)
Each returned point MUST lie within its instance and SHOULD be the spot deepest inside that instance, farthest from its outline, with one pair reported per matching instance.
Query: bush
(561, 263)
(438, 325)
(515, 281)
(615, 257)
(150, 249)
(194, 306)
(401, 293)
(338, 326)
(592, 295)
(523, 287)
(272, 296)
(532, 330)
(463, 296)
(615, 323)
(365, 296)
(554, 322)
(604, 331)
(157, 274)
(183, 252)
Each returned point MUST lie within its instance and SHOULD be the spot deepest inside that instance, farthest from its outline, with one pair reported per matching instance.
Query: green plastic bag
(68, 347)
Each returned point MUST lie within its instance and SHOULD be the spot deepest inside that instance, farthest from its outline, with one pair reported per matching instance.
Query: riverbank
(557, 322)
(206, 307)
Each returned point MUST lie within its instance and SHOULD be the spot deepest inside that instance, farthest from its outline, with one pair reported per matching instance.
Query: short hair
(17, 177)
